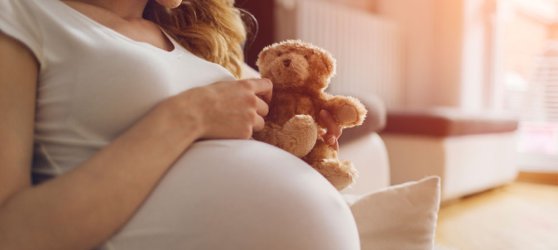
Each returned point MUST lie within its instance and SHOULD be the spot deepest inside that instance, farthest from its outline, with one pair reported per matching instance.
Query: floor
(518, 216)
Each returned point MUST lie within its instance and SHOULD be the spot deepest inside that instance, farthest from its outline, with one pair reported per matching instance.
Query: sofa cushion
(445, 122)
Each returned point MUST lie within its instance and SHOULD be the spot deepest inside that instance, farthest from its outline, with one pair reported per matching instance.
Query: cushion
(445, 122)
(398, 217)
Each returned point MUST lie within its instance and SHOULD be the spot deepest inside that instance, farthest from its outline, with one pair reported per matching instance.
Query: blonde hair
(211, 29)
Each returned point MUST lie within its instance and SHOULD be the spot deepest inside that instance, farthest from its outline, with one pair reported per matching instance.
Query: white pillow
(398, 217)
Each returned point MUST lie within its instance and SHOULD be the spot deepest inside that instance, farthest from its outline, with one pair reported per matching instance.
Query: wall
(448, 57)
(263, 12)
(449, 45)
(358, 4)
(416, 21)
(448, 48)
(476, 67)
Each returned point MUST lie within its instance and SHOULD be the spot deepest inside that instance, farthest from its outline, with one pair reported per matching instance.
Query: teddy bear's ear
(262, 56)
(329, 63)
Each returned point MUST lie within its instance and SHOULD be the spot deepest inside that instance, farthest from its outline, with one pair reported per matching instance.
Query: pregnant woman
(124, 127)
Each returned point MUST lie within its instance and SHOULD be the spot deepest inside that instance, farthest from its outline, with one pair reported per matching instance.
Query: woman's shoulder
(18, 19)
(10, 6)
(28, 10)
(27, 21)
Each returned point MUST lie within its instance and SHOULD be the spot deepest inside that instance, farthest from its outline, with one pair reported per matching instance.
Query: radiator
(367, 48)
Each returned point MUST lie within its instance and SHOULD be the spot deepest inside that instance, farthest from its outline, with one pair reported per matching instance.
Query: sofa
(470, 151)
(364, 147)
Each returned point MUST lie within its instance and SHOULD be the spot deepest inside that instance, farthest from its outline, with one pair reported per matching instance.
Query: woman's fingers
(262, 88)
(239, 106)
(333, 130)
(259, 123)
(261, 107)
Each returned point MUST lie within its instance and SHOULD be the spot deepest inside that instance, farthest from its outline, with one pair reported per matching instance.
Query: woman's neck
(127, 9)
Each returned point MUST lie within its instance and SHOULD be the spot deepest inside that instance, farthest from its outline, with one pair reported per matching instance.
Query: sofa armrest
(374, 122)
(369, 156)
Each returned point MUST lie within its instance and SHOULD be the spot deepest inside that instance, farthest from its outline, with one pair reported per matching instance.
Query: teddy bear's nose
(287, 62)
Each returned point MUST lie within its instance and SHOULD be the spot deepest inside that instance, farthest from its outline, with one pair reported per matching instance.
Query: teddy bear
(300, 72)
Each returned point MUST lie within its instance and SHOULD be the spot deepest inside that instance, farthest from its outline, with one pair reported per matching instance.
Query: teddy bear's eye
(279, 53)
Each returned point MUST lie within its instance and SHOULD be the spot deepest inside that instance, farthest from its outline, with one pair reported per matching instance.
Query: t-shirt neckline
(113, 32)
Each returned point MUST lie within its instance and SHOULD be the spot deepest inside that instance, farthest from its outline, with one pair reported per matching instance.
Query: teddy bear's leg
(347, 111)
(268, 134)
(340, 174)
(298, 135)
(323, 158)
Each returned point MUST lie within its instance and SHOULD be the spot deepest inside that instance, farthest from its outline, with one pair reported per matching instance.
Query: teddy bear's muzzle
(289, 71)
(286, 62)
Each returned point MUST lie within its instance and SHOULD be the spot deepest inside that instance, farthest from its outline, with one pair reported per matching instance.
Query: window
(528, 77)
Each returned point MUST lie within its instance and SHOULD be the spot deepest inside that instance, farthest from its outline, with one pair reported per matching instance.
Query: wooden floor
(519, 216)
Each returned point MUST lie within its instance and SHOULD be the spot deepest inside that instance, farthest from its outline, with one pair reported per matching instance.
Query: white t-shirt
(94, 82)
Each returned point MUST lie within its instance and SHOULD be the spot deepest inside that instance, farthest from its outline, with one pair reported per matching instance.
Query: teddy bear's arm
(347, 111)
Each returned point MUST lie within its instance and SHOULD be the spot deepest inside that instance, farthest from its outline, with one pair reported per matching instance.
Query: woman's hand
(225, 110)
(332, 132)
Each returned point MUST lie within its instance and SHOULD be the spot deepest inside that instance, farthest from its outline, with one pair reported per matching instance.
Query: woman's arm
(85, 206)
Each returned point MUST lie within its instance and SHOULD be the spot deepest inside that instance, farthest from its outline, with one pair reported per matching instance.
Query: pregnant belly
(240, 194)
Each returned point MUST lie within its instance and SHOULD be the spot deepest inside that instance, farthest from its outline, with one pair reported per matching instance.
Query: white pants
(240, 194)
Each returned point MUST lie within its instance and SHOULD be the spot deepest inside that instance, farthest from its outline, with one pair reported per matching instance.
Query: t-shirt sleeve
(17, 21)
